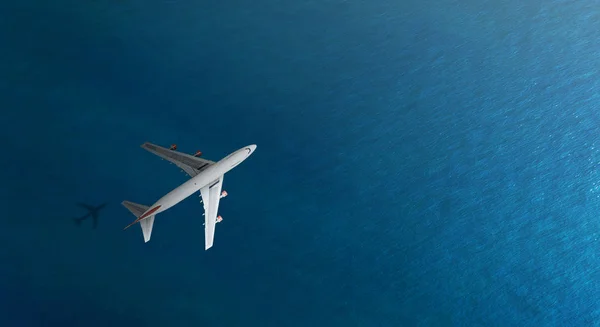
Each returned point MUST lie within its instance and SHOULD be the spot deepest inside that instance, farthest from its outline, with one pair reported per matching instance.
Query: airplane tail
(137, 210)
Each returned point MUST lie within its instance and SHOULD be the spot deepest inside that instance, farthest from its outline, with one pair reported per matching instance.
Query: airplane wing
(190, 164)
(211, 195)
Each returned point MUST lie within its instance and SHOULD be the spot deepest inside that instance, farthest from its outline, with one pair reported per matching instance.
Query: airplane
(205, 176)
(93, 212)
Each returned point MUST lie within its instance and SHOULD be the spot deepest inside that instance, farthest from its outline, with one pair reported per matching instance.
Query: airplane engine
(198, 154)
(223, 194)
(219, 219)
(173, 147)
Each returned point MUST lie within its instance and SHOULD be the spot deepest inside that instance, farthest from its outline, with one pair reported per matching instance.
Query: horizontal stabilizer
(147, 227)
(137, 210)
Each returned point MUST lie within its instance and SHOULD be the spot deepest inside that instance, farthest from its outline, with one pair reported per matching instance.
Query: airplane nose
(250, 148)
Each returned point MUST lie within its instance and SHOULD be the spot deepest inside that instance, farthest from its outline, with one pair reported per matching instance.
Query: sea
(418, 162)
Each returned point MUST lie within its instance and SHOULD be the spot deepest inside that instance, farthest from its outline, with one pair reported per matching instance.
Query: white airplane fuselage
(193, 185)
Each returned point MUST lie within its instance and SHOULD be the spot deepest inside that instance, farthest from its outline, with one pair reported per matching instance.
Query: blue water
(419, 163)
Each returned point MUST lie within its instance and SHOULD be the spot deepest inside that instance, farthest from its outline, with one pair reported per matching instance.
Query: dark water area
(419, 163)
